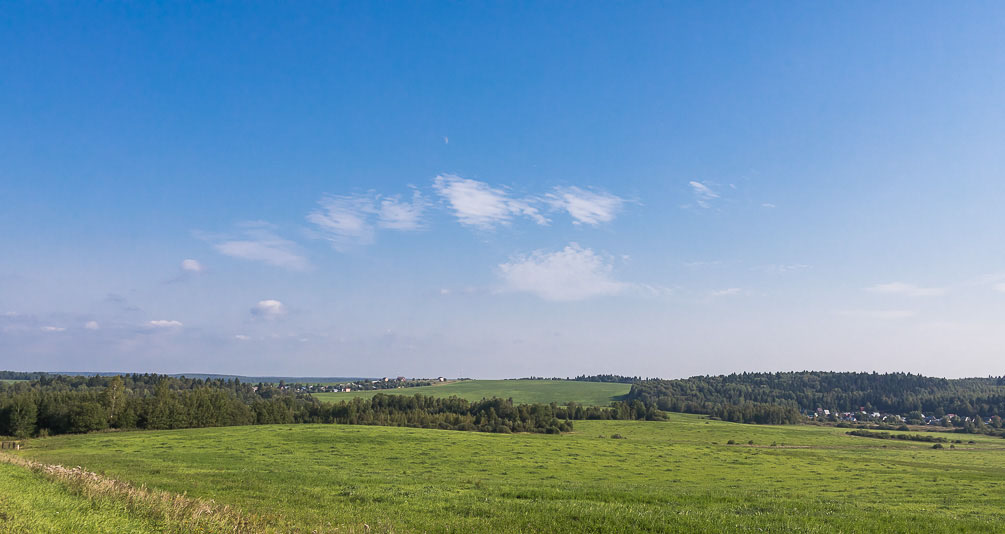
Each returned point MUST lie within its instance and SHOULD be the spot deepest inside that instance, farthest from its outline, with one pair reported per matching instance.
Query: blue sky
(502, 189)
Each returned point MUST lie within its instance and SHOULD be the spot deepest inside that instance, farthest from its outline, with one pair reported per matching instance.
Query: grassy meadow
(674, 476)
(30, 503)
(521, 391)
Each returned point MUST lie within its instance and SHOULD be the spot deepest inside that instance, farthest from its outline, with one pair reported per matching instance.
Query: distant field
(522, 391)
(675, 476)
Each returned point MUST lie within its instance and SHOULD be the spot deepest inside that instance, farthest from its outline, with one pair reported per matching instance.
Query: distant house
(441, 379)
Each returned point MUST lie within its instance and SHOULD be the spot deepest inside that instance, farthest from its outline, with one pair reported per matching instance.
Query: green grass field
(675, 476)
(29, 503)
(522, 391)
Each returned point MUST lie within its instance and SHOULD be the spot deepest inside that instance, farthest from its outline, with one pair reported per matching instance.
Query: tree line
(782, 397)
(55, 404)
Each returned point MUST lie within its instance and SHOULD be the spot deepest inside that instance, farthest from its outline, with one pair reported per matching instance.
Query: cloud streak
(879, 314)
(908, 290)
(586, 207)
(349, 220)
(728, 292)
(164, 323)
(259, 243)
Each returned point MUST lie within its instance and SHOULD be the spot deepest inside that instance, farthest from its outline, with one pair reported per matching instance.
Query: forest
(56, 404)
(781, 397)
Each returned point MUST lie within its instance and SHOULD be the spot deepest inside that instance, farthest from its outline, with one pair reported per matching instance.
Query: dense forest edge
(967, 404)
(57, 404)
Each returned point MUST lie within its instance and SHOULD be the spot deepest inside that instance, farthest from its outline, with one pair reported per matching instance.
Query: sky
(502, 189)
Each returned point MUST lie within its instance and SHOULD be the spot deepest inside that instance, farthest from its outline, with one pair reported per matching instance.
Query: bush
(731, 442)
(618, 436)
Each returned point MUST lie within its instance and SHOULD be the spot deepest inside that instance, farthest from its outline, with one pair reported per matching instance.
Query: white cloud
(573, 273)
(586, 207)
(879, 314)
(92, 325)
(164, 323)
(703, 194)
(909, 290)
(348, 220)
(241, 337)
(53, 329)
(729, 292)
(480, 205)
(768, 205)
(260, 243)
(269, 309)
(1000, 287)
(191, 266)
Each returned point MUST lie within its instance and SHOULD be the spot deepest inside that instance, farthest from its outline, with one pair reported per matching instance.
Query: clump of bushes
(906, 437)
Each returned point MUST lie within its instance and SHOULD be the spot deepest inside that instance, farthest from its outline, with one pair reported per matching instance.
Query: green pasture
(521, 391)
(674, 476)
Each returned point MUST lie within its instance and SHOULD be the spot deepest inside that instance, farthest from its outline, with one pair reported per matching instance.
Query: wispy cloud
(571, 274)
(700, 264)
(396, 214)
(586, 207)
(348, 220)
(269, 309)
(703, 194)
(259, 242)
(999, 287)
(92, 325)
(480, 205)
(879, 314)
(782, 268)
(53, 329)
(343, 220)
(164, 323)
(909, 290)
(728, 292)
(768, 205)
